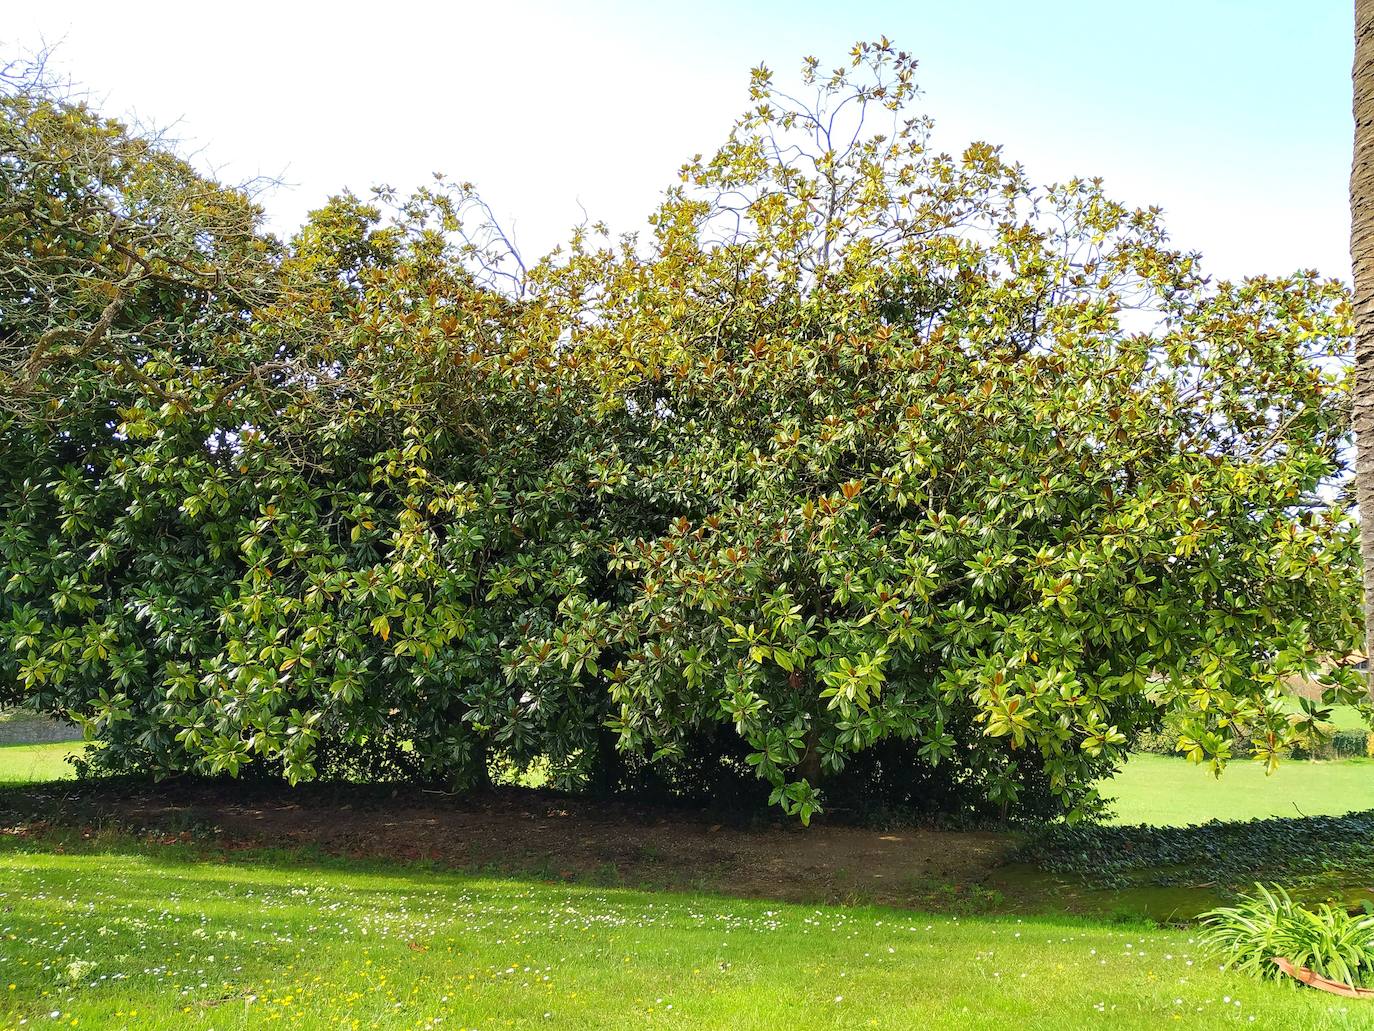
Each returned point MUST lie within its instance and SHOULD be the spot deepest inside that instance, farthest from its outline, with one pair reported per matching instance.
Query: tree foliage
(869, 469)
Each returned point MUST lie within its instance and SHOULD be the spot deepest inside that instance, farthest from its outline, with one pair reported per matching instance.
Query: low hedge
(1342, 744)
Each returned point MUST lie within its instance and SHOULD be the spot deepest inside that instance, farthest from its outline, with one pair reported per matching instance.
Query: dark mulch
(531, 832)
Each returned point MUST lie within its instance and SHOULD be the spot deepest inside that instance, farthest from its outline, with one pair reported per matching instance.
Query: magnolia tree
(871, 471)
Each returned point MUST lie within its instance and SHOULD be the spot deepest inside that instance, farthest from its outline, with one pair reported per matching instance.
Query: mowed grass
(1164, 791)
(1343, 717)
(159, 940)
(124, 936)
(28, 764)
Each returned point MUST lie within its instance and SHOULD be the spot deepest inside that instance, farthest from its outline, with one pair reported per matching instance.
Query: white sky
(1231, 114)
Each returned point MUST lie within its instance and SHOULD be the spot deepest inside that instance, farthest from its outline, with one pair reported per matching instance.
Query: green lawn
(157, 940)
(1343, 717)
(125, 936)
(1165, 791)
(25, 764)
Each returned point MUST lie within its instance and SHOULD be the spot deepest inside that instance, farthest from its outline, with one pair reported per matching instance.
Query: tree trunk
(608, 773)
(1362, 266)
(477, 776)
(810, 767)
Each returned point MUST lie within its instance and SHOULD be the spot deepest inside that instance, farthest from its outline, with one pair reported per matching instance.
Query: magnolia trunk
(1362, 262)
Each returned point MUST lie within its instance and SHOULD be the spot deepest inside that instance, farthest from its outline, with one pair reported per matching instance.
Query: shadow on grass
(204, 873)
(535, 836)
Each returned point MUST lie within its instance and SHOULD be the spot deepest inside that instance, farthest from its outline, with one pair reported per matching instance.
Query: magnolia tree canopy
(869, 470)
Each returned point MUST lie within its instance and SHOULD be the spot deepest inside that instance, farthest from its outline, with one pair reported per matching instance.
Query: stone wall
(20, 727)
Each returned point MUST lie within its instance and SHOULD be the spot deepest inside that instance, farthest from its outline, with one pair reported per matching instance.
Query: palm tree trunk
(1362, 265)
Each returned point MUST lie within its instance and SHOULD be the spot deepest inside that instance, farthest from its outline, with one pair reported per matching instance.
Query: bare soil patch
(545, 834)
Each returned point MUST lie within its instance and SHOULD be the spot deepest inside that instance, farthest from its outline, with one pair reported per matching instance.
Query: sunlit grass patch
(26, 764)
(148, 941)
(1165, 791)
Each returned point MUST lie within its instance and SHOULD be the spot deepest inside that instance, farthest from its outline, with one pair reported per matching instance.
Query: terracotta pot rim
(1315, 980)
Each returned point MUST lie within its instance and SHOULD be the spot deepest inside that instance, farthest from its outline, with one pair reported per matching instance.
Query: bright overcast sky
(1233, 115)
